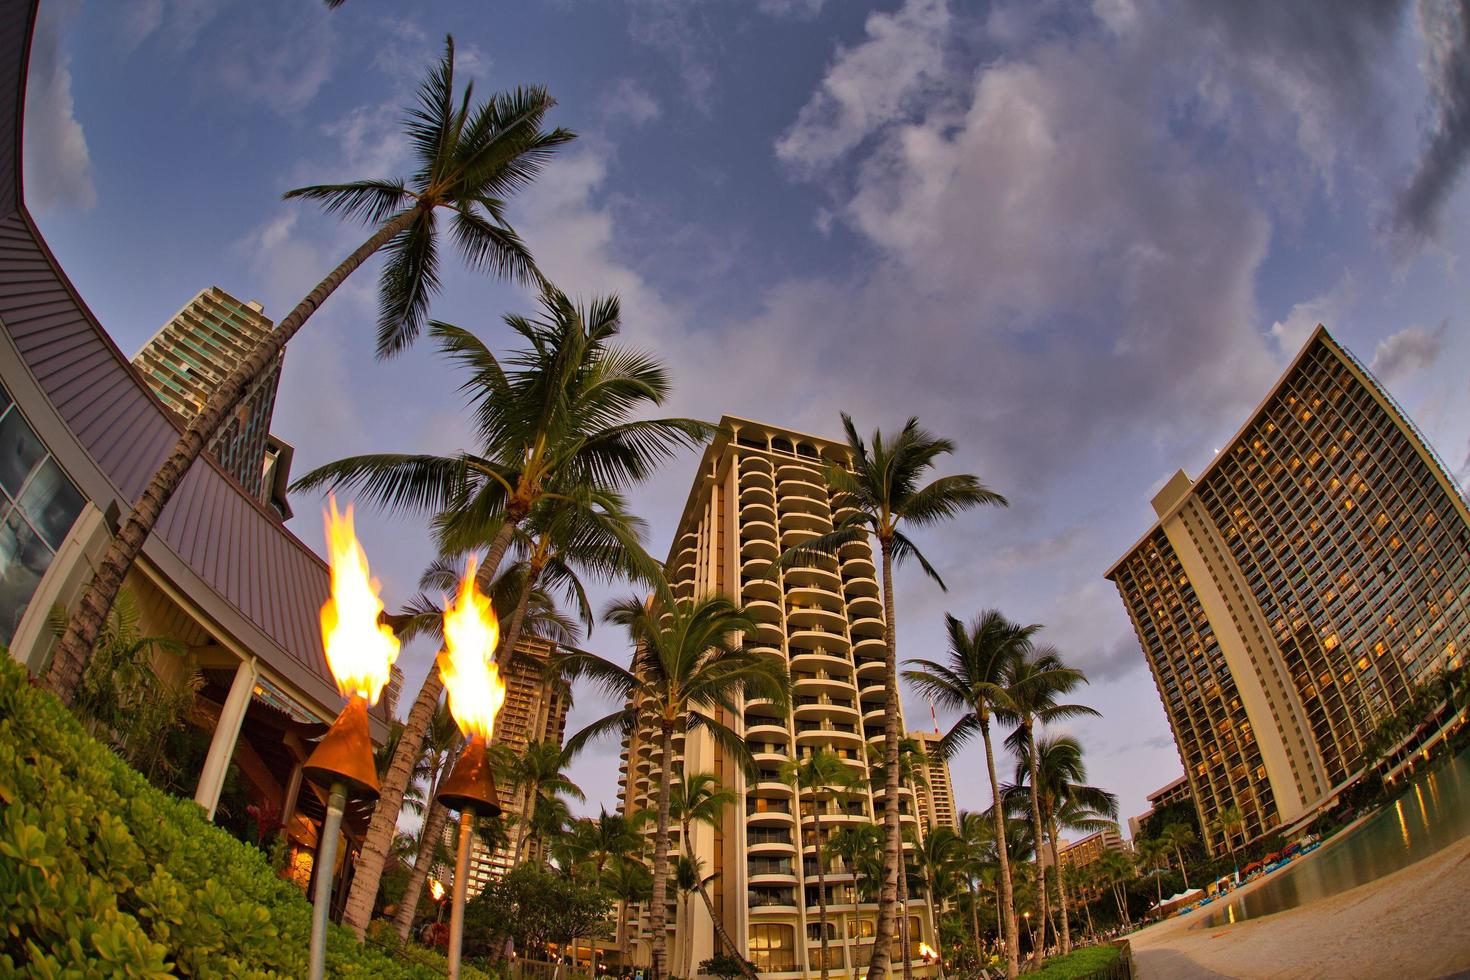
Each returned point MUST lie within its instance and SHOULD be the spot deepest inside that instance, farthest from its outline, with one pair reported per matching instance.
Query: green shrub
(1080, 964)
(103, 875)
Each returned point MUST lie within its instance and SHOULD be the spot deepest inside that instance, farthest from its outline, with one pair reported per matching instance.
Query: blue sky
(1081, 239)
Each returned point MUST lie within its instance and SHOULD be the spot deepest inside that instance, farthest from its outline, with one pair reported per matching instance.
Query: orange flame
(359, 649)
(436, 889)
(927, 952)
(467, 663)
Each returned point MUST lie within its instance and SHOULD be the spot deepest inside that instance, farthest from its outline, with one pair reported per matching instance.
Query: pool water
(1431, 813)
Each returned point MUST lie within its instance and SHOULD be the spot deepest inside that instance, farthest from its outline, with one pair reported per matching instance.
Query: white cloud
(871, 85)
(1411, 349)
(58, 164)
(1327, 309)
(628, 100)
(791, 9)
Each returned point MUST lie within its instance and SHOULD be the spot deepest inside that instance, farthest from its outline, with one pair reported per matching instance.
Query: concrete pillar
(226, 733)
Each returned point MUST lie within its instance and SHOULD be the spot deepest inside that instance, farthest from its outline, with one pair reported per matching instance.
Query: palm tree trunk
(528, 811)
(821, 881)
(1180, 856)
(75, 646)
(1087, 904)
(429, 839)
(974, 912)
(1008, 910)
(893, 841)
(934, 924)
(1045, 900)
(724, 936)
(384, 822)
(904, 939)
(658, 914)
(1061, 889)
(623, 952)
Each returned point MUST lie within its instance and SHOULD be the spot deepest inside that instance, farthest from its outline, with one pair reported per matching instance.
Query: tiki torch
(359, 653)
(476, 693)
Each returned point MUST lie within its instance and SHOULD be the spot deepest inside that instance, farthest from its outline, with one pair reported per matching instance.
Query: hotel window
(38, 506)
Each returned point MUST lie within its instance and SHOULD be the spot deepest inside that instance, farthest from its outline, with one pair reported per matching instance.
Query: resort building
(936, 795)
(193, 353)
(1175, 792)
(1087, 850)
(534, 711)
(81, 434)
(1297, 590)
(759, 489)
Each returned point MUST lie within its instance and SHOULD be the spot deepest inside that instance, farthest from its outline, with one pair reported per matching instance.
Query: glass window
(20, 451)
(51, 503)
(23, 560)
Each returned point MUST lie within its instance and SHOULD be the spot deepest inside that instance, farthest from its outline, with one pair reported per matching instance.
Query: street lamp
(360, 652)
(476, 693)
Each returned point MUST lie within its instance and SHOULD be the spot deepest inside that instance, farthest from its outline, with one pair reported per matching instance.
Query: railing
(759, 836)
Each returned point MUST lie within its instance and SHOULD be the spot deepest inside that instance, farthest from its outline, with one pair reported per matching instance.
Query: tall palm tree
(441, 744)
(822, 776)
(913, 767)
(977, 835)
(687, 665)
(974, 681)
(599, 842)
(1180, 836)
(939, 857)
(1152, 854)
(880, 493)
(629, 881)
(1038, 681)
(556, 418)
(539, 776)
(1116, 870)
(698, 798)
(1227, 823)
(469, 158)
(860, 848)
(1065, 801)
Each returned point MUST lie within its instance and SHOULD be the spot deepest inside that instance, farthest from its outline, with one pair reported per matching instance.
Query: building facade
(936, 795)
(1087, 850)
(1297, 591)
(1167, 795)
(760, 489)
(191, 356)
(534, 711)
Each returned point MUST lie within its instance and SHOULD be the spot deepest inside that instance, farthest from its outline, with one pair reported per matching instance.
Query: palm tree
(1116, 869)
(557, 418)
(977, 836)
(687, 665)
(822, 775)
(698, 798)
(880, 493)
(468, 159)
(1038, 681)
(974, 681)
(1151, 853)
(629, 881)
(539, 776)
(913, 766)
(440, 746)
(940, 857)
(1062, 800)
(860, 848)
(598, 842)
(1227, 823)
(1180, 836)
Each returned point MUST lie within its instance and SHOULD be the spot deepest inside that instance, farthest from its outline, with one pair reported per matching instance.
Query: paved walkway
(1411, 924)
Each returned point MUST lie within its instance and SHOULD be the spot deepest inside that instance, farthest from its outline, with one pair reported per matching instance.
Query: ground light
(476, 693)
(360, 651)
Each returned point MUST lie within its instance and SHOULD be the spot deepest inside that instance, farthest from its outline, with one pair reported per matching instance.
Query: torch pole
(461, 889)
(326, 862)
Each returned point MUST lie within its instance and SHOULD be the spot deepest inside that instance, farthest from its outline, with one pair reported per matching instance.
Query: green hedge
(103, 875)
(1080, 964)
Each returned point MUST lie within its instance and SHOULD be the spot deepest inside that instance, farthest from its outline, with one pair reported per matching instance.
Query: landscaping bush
(103, 875)
(1080, 964)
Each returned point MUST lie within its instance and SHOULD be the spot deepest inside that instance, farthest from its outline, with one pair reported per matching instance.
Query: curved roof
(220, 547)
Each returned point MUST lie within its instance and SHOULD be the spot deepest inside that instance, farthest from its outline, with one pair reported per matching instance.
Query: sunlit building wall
(1297, 590)
(936, 794)
(760, 489)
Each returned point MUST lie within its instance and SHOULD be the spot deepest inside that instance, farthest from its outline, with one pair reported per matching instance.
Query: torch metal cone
(471, 785)
(345, 753)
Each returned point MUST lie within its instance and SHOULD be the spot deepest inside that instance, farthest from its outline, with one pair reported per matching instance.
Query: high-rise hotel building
(936, 794)
(1298, 589)
(760, 489)
(192, 355)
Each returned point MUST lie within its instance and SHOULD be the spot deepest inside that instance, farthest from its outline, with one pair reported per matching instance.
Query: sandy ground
(1411, 924)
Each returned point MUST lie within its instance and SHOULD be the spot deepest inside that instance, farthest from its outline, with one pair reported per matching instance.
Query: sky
(1080, 239)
